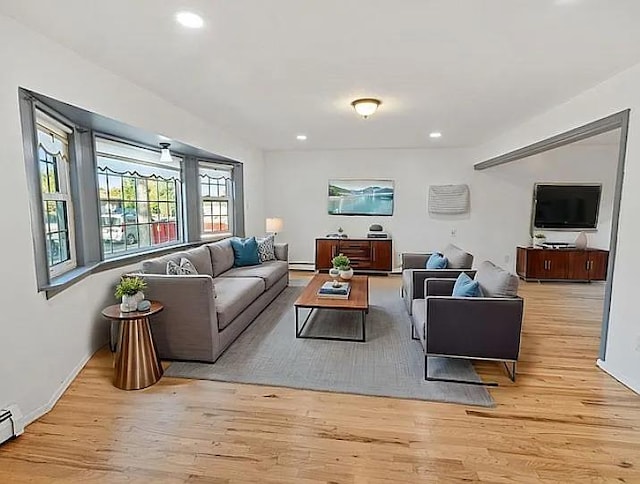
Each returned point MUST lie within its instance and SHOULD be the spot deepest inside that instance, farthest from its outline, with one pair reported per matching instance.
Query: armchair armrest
(282, 251)
(414, 260)
(418, 276)
(188, 326)
(479, 327)
(438, 287)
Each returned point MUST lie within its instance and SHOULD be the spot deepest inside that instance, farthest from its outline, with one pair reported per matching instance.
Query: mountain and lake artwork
(361, 197)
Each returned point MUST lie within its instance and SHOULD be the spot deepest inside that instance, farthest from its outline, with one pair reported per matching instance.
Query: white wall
(501, 198)
(300, 198)
(506, 208)
(44, 342)
(616, 94)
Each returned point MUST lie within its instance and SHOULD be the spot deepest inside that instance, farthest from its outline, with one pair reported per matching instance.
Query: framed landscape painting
(361, 197)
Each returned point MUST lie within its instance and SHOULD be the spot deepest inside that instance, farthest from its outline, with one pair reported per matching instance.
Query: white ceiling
(269, 70)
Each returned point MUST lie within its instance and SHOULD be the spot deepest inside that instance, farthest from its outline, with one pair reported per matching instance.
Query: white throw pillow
(185, 268)
(267, 248)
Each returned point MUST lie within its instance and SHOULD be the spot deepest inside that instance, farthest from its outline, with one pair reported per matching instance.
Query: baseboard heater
(10, 423)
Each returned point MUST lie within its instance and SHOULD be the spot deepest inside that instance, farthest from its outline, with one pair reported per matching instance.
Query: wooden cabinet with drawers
(366, 255)
(534, 263)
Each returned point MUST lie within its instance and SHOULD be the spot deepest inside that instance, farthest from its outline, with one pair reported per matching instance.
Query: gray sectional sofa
(205, 313)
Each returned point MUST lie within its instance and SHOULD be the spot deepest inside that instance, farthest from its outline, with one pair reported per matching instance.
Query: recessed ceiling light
(435, 134)
(189, 20)
(301, 137)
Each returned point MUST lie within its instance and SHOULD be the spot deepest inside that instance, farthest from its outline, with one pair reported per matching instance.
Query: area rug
(388, 364)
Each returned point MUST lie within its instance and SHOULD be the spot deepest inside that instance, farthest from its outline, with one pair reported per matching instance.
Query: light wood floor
(563, 421)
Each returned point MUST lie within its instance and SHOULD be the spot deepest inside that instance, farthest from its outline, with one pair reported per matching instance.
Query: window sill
(68, 279)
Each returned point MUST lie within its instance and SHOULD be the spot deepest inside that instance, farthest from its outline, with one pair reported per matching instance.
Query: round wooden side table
(137, 364)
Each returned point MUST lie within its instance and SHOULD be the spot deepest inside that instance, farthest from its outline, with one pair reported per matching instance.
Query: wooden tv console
(366, 255)
(570, 264)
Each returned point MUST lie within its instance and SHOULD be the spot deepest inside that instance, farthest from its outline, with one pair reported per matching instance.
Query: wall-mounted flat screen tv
(569, 207)
(361, 197)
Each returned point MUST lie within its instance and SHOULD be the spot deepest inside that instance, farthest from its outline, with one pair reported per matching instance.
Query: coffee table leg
(364, 317)
(297, 332)
(137, 363)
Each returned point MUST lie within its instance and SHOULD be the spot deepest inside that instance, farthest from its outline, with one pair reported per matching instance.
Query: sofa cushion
(266, 248)
(271, 272)
(245, 252)
(465, 287)
(419, 317)
(234, 295)
(158, 265)
(457, 258)
(436, 261)
(221, 256)
(185, 268)
(200, 257)
(496, 282)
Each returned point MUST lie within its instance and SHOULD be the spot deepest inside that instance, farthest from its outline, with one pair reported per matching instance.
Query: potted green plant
(343, 264)
(539, 238)
(129, 289)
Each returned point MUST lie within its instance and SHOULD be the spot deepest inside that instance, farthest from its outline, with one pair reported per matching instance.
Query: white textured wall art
(448, 199)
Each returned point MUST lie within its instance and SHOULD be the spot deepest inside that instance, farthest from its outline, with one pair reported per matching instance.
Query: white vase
(581, 241)
(130, 303)
(346, 274)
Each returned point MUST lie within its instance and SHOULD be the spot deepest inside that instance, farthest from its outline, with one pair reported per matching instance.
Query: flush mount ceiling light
(435, 134)
(301, 137)
(365, 107)
(190, 20)
(165, 154)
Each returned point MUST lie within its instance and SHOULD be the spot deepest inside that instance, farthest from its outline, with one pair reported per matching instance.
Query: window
(216, 194)
(98, 201)
(57, 207)
(140, 198)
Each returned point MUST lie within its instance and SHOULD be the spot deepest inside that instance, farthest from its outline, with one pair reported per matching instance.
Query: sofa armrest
(414, 260)
(282, 251)
(438, 287)
(187, 329)
(420, 275)
(477, 327)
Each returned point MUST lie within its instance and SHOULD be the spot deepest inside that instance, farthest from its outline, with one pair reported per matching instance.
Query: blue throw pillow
(437, 261)
(465, 287)
(245, 252)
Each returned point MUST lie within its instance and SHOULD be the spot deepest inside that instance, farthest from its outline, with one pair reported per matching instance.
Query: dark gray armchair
(414, 273)
(483, 328)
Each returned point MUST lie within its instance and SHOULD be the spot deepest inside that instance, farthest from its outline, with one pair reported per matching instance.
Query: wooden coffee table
(358, 301)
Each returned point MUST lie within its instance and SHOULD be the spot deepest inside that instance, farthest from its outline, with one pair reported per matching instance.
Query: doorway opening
(610, 131)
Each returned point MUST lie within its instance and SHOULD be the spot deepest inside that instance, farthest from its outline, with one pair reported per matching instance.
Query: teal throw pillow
(437, 261)
(466, 287)
(245, 252)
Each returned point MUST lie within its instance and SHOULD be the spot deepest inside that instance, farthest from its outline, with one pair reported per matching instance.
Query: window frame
(179, 185)
(83, 188)
(229, 198)
(64, 193)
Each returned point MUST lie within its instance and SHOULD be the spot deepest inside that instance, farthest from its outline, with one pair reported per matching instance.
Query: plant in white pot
(539, 238)
(129, 289)
(343, 264)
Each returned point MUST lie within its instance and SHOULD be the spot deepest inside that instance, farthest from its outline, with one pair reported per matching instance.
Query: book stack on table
(328, 290)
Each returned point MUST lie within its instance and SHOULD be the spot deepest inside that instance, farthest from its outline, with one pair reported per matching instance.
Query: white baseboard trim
(603, 366)
(302, 266)
(46, 408)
